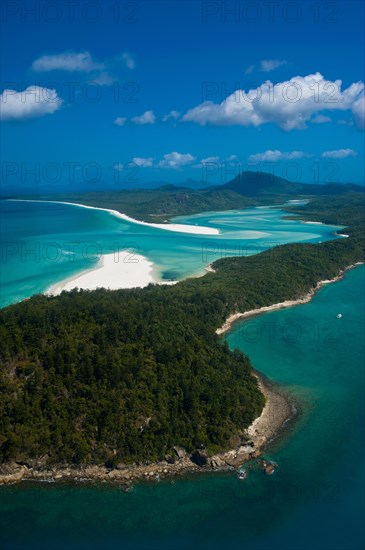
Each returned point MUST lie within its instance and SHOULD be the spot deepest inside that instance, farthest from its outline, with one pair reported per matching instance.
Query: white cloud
(119, 167)
(289, 104)
(175, 160)
(147, 118)
(250, 69)
(358, 110)
(120, 121)
(143, 162)
(77, 62)
(209, 160)
(339, 154)
(32, 102)
(268, 65)
(67, 61)
(321, 119)
(104, 79)
(128, 60)
(172, 115)
(276, 155)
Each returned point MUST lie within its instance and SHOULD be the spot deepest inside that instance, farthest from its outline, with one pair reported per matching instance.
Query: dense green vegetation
(158, 205)
(110, 376)
(162, 203)
(339, 210)
(253, 184)
(91, 372)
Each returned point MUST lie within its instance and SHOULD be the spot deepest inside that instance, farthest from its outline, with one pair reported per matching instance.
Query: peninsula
(129, 382)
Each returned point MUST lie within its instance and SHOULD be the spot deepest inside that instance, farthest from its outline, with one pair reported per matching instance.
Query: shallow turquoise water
(44, 243)
(315, 499)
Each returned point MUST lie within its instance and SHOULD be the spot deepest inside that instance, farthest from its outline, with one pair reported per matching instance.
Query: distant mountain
(164, 202)
(253, 183)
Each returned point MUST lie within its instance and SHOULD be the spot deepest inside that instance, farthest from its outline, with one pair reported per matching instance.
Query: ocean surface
(314, 500)
(45, 243)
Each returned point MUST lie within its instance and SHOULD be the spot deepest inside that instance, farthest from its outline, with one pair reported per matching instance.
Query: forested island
(108, 377)
(162, 203)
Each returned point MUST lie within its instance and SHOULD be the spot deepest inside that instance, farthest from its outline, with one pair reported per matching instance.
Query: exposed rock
(36, 463)
(199, 457)
(237, 457)
(12, 477)
(8, 468)
(217, 462)
(180, 453)
(255, 454)
(269, 466)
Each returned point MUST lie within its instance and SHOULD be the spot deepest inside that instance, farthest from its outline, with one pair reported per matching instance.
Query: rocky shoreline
(281, 305)
(277, 411)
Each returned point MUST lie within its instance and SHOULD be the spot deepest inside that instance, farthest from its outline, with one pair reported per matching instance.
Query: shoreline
(112, 272)
(178, 228)
(234, 317)
(277, 411)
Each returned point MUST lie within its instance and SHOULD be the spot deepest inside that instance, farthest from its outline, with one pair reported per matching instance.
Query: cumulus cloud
(176, 160)
(67, 61)
(143, 162)
(33, 102)
(358, 110)
(120, 121)
(289, 104)
(268, 65)
(209, 160)
(172, 115)
(128, 60)
(147, 118)
(339, 154)
(276, 155)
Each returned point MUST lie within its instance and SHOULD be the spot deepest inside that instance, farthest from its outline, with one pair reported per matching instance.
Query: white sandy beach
(177, 227)
(113, 271)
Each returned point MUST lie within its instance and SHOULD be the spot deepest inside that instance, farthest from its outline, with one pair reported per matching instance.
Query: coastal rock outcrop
(217, 462)
(200, 458)
(180, 453)
(11, 473)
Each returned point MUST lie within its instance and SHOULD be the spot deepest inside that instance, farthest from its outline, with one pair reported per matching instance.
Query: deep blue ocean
(314, 500)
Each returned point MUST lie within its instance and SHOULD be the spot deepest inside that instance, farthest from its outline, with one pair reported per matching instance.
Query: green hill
(257, 183)
(161, 204)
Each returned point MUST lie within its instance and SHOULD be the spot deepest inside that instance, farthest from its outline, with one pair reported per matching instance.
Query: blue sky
(122, 94)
